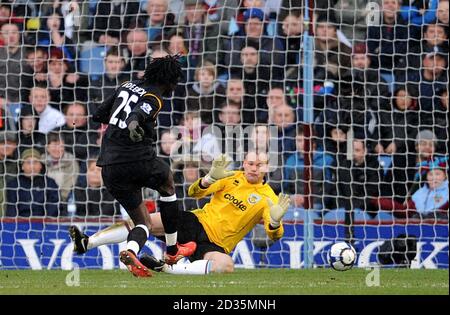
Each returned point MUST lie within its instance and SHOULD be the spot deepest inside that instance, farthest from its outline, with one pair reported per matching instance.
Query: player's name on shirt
(134, 88)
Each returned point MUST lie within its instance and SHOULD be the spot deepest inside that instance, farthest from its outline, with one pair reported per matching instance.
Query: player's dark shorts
(125, 181)
(190, 229)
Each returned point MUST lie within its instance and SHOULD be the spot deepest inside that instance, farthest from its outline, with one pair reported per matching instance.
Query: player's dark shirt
(135, 100)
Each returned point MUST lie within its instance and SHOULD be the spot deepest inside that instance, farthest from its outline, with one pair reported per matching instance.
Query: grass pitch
(260, 281)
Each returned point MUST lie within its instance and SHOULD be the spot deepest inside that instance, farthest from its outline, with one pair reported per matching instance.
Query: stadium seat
(92, 61)
(339, 215)
(385, 161)
(385, 216)
(298, 214)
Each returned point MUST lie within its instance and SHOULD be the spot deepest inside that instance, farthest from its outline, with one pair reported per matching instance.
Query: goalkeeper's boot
(183, 250)
(79, 239)
(129, 259)
(151, 262)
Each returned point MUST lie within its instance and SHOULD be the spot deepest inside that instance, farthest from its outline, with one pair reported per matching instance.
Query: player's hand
(136, 132)
(218, 169)
(279, 210)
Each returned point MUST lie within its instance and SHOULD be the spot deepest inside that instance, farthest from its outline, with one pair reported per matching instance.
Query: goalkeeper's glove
(218, 170)
(136, 132)
(279, 210)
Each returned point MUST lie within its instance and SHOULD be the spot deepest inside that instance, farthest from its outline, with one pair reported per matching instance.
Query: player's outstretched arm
(273, 214)
(218, 170)
(211, 182)
(277, 211)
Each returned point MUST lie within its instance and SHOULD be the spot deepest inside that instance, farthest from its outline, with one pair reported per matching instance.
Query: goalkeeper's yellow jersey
(236, 206)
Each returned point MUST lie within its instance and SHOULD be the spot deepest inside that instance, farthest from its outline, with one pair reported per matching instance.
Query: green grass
(261, 281)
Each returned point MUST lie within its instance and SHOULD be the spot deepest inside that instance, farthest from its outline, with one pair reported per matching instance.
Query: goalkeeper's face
(256, 166)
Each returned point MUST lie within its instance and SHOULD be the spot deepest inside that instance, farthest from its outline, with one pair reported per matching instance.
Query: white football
(341, 256)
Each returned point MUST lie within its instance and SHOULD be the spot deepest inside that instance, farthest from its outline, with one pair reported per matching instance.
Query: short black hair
(164, 71)
(54, 136)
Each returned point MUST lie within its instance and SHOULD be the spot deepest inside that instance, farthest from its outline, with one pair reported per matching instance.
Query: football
(342, 256)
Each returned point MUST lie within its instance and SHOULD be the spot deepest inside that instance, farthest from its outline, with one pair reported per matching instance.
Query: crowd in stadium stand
(386, 81)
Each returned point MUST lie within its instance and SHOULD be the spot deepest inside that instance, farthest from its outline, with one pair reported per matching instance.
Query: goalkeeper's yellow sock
(198, 267)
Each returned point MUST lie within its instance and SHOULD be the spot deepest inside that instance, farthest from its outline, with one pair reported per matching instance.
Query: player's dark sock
(172, 250)
(169, 217)
(137, 238)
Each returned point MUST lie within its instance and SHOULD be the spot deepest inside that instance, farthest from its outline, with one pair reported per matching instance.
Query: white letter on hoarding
(58, 244)
(107, 257)
(294, 251)
(364, 256)
(66, 258)
(428, 262)
(30, 252)
(246, 257)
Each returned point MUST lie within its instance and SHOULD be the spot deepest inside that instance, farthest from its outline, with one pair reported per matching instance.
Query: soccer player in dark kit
(129, 162)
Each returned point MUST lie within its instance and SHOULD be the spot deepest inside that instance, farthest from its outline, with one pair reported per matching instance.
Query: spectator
(351, 17)
(94, 199)
(52, 35)
(137, 44)
(157, 21)
(235, 92)
(29, 136)
(429, 201)
(177, 46)
(417, 14)
(388, 41)
(36, 68)
(376, 89)
(7, 15)
(270, 54)
(190, 127)
(346, 111)
(434, 39)
(12, 61)
(32, 193)
(205, 94)
(111, 18)
(331, 56)
(358, 180)
(49, 118)
(8, 163)
(406, 168)
(186, 172)
(442, 14)
(36, 59)
(112, 78)
(440, 119)
(61, 165)
(213, 143)
(432, 78)
(291, 34)
(200, 44)
(256, 83)
(294, 173)
(275, 98)
(79, 139)
(64, 86)
(283, 117)
(404, 121)
(166, 146)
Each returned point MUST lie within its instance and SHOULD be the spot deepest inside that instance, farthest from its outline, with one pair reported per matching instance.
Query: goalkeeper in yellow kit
(240, 200)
